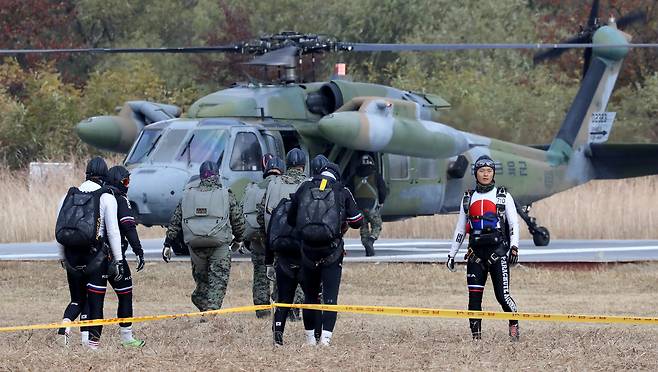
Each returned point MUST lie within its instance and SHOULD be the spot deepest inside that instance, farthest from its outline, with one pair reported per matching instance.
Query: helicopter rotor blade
(165, 50)
(593, 14)
(553, 53)
(632, 17)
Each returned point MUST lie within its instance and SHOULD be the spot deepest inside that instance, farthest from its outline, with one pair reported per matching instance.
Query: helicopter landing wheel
(541, 237)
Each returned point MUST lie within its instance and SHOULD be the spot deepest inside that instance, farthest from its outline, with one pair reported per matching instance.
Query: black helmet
(96, 169)
(119, 177)
(296, 158)
(317, 163)
(275, 166)
(333, 169)
(208, 169)
(484, 161)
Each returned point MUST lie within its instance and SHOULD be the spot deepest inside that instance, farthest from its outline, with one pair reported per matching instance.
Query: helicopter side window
(427, 168)
(144, 145)
(247, 153)
(169, 145)
(204, 145)
(398, 166)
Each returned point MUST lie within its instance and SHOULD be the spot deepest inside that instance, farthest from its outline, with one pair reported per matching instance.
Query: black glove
(140, 262)
(167, 251)
(513, 255)
(116, 270)
(450, 264)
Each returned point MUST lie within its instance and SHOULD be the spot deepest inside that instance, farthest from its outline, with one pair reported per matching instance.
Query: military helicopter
(423, 161)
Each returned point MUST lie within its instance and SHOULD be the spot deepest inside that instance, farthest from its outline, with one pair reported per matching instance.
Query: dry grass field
(29, 214)
(36, 292)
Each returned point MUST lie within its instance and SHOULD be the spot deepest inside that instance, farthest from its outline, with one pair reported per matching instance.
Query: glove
(468, 254)
(116, 270)
(271, 273)
(450, 264)
(140, 262)
(513, 255)
(493, 259)
(167, 251)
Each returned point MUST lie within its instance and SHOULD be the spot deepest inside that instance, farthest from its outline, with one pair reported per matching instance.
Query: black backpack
(319, 215)
(79, 219)
(281, 237)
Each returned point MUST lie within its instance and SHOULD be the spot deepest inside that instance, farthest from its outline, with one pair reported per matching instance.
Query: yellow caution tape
(358, 309)
(137, 319)
(466, 314)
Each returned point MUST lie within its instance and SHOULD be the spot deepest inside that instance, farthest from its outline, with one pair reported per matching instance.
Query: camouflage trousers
(261, 285)
(372, 224)
(210, 269)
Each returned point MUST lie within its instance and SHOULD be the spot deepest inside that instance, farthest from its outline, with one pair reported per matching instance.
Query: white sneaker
(64, 337)
(310, 338)
(325, 339)
(92, 345)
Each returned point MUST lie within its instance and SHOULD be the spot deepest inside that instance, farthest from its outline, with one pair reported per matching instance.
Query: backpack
(205, 217)
(252, 196)
(319, 216)
(281, 237)
(277, 190)
(78, 220)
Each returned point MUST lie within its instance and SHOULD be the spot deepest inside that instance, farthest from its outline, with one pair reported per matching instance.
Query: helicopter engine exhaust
(391, 125)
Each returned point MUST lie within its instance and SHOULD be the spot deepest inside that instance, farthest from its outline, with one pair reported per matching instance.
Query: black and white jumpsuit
(483, 215)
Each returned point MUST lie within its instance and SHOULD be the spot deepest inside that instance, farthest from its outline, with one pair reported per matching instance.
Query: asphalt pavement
(411, 250)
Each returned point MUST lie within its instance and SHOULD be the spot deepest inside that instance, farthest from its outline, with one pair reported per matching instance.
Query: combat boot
(278, 338)
(369, 244)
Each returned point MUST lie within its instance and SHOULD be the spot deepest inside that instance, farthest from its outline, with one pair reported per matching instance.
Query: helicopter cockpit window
(247, 153)
(170, 143)
(204, 145)
(398, 166)
(144, 146)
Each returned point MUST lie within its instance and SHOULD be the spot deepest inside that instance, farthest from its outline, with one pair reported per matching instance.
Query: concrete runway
(412, 250)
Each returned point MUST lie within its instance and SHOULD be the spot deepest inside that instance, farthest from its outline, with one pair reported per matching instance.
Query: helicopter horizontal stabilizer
(615, 161)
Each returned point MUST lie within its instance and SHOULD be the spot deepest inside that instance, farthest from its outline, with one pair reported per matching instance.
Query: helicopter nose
(111, 133)
(156, 191)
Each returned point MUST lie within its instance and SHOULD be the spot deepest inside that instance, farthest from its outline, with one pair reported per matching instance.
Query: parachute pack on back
(79, 220)
(252, 196)
(276, 191)
(205, 217)
(319, 215)
(281, 237)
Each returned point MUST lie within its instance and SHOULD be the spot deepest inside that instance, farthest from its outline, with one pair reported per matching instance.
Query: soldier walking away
(281, 187)
(321, 211)
(118, 180)
(369, 191)
(488, 215)
(254, 193)
(86, 225)
(211, 218)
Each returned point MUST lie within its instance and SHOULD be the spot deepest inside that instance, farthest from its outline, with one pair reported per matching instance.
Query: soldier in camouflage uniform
(369, 191)
(261, 285)
(295, 162)
(211, 265)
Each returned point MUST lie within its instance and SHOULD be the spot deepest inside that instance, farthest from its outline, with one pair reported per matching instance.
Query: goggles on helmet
(485, 163)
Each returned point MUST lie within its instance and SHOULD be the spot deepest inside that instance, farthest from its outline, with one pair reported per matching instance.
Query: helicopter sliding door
(415, 186)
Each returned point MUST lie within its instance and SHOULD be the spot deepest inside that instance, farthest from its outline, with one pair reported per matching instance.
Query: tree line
(495, 93)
